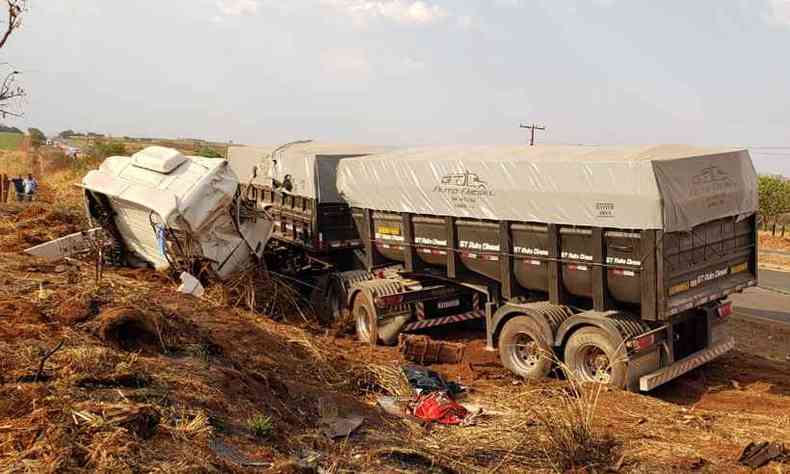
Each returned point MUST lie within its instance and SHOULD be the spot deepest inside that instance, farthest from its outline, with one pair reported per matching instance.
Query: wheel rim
(363, 322)
(525, 352)
(595, 364)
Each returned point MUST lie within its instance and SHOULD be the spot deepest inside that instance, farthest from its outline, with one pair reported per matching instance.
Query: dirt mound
(75, 311)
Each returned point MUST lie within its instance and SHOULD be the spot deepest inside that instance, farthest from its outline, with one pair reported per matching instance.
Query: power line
(532, 129)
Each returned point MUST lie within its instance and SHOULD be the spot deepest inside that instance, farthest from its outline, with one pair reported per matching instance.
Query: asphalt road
(763, 303)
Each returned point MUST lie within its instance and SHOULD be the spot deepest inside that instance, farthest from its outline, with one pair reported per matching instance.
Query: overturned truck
(174, 212)
(616, 261)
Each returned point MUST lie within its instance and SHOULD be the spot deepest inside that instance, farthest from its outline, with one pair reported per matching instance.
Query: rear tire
(366, 318)
(593, 356)
(328, 299)
(523, 349)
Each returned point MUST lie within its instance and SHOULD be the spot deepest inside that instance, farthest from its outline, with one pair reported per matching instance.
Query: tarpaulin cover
(669, 187)
(310, 166)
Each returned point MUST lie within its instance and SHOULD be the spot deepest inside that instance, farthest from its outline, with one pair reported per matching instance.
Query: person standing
(31, 186)
(19, 187)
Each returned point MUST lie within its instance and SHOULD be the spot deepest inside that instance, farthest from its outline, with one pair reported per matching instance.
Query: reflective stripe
(429, 323)
(662, 376)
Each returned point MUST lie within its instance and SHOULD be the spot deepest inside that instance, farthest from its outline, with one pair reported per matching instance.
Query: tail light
(643, 342)
(389, 300)
(724, 311)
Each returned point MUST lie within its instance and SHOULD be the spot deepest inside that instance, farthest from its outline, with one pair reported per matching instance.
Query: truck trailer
(615, 261)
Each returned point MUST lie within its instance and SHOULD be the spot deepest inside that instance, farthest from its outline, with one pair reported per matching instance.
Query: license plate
(449, 304)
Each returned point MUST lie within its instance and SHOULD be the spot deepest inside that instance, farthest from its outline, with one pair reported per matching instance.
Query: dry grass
(262, 292)
(568, 417)
(389, 379)
(15, 163)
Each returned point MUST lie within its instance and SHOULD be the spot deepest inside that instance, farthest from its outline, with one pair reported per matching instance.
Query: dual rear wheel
(590, 354)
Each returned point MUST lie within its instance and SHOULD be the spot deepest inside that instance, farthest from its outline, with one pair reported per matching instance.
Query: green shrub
(209, 152)
(260, 425)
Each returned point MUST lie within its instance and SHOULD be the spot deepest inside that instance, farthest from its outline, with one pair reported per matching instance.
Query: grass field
(14, 163)
(10, 141)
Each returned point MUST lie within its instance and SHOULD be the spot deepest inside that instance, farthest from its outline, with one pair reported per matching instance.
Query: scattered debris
(231, 454)
(341, 426)
(756, 455)
(191, 285)
(425, 381)
(66, 246)
(439, 407)
(390, 405)
(43, 293)
(424, 350)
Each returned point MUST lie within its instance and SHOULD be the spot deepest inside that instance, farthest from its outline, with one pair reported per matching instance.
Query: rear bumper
(662, 376)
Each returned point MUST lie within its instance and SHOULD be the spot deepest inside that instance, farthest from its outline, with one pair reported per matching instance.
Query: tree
(774, 194)
(67, 134)
(10, 90)
(37, 137)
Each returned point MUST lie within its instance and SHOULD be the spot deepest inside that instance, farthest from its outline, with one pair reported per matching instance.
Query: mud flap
(390, 327)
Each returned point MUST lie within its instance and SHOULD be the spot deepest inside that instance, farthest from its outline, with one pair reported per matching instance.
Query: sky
(413, 72)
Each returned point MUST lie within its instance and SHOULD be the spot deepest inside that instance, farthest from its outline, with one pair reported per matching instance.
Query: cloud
(779, 12)
(237, 7)
(353, 66)
(346, 63)
(405, 12)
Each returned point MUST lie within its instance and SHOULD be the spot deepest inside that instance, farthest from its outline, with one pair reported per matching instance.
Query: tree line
(774, 199)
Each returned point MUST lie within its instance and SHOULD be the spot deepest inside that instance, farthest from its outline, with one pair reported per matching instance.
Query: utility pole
(532, 129)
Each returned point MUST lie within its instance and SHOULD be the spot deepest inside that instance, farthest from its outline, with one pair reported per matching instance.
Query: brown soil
(152, 380)
(775, 242)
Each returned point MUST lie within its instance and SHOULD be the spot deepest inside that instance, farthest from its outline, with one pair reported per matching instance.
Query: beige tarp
(310, 166)
(670, 187)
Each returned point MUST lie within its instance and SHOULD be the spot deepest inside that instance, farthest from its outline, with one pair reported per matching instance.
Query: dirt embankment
(147, 379)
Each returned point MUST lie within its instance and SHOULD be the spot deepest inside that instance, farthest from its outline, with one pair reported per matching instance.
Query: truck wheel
(524, 350)
(592, 356)
(335, 303)
(366, 318)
